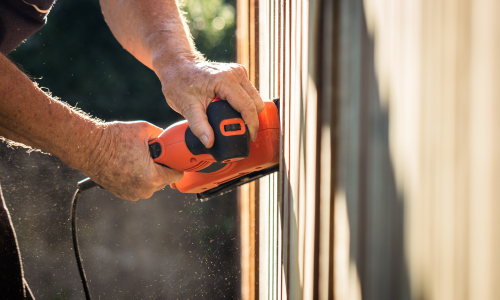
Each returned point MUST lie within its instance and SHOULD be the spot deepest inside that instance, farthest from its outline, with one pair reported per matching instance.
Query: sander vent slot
(231, 178)
(198, 166)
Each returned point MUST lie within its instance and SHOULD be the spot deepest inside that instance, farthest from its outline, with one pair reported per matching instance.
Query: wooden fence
(390, 117)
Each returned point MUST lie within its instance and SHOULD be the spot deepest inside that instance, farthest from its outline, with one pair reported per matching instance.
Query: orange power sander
(232, 161)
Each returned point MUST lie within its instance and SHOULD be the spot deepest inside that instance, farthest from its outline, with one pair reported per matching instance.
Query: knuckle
(241, 71)
(145, 194)
(250, 106)
(208, 88)
(196, 125)
(132, 198)
(191, 106)
(259, 105)
(157, 182)
(189, 111)
(179, 176)
(173, 176)
(228, 75)
(161, 187)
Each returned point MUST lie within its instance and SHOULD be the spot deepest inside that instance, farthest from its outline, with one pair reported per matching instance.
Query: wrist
(96, 150)
(79, 150)
(179, 70)
(169, 62)
(170, 51)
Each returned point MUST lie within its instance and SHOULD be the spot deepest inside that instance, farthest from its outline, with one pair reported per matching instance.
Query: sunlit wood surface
(294, 208)
(248, 200)
(389, 161)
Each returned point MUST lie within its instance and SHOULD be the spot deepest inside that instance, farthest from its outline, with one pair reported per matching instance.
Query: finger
(197, 119)
(168, 175)
(252, 92)
(161, 187)
(129, 196)
(243, 103)
(242, 75)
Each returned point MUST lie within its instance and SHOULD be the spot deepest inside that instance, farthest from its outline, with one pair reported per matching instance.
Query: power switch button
(232, 127)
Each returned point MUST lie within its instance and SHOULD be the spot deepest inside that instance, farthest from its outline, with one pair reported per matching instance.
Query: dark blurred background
(168, 247)
(77, 58)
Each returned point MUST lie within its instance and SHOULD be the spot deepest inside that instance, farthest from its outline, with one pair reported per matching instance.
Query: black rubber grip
(155, 150)
(225, 147)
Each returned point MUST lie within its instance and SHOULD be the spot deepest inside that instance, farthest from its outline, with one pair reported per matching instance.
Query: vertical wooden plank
(462, 123)
(264, 50)
(327, 32)
(285, 140)
(348, 152)
(242, 33)
(284, 175)
(243, 58)
(248, 196)
(275, 92)
(297, 145)
(295, 273)
(244, 226)
(277, 240)
(274, 203)
(311, 146)
(254, 42)
(253, 195)
(247, 210)
(484, 157)
(265, 217)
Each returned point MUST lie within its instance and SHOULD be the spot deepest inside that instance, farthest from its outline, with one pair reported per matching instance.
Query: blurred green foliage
(212, 24)
(77, 58)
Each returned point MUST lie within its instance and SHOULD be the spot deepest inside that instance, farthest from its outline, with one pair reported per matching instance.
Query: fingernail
(204, 139)
(255, 137)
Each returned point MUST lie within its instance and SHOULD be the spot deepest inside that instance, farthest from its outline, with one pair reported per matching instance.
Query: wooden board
(289, 215)
(389, 149)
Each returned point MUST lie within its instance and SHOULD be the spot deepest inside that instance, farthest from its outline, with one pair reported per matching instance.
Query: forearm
(143, 26)
(31, 117)
(155, 33)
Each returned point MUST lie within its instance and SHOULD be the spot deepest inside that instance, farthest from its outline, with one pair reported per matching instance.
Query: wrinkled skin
(154, 32)
(116, 155)
(121, 162)
(192, 85)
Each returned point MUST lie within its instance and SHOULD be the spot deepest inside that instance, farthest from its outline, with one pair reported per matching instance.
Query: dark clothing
(19, 19)
(12, 283)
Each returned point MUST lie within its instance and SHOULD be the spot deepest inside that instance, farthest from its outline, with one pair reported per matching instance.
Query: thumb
(153, 131)
(196, 116)
(168, 175)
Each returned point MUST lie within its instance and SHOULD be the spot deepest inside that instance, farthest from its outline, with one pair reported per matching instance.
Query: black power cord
(82, 186)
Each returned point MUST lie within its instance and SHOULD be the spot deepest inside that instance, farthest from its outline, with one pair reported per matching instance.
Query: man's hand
(121, 163)
(114, 155)
(155, 33)
(190, 85)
